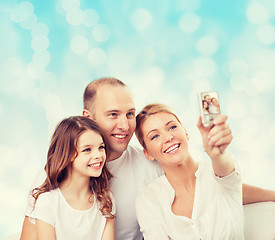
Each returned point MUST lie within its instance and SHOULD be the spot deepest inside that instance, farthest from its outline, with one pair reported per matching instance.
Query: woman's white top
(69, 223)
(217, 209)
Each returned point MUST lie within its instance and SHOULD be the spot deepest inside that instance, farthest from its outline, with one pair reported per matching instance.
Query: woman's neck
(182, 174)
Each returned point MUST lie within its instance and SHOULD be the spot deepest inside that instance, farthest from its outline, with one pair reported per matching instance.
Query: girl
(192, 200)
(74, 202)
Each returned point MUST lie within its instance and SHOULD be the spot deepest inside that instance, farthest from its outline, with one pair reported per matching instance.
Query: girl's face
(165, 139)
(91, 154)
(205, 104)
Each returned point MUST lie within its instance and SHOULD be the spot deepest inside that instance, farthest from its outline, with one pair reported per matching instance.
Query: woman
(216, 105)
(192, 200)
(74, 202)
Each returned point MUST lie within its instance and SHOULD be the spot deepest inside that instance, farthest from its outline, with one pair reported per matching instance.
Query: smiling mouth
(172, 148)
(95, 165)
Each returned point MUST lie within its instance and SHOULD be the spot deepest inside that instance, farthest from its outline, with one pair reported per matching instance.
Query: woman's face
(205, 105)
(91, 154)
(165, 139)
(215, 101)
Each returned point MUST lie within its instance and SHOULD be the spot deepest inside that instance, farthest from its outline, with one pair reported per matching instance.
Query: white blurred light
(74, 17)
(239, 82)
(12, 66)
(29, 23)
(263, 81)
(259, 105)
(90, 17)
(51, 101)
(238, 66)
(41, 57)
(204, 66)
(1, 109)
(40, 29)
(141, 19)
(21, 12)
(189, 22)
(48, 81)
(96, 57)
(201, 85)
(266, 59)
(188, 6)
(257, 13)
(35, 69)
(249, 126)
(68, 5)
(101, 33)
(207, 45)
(79, 44)
(24, 87)
(153, 77)
(266, 34)
(235, 109)
(40, 43)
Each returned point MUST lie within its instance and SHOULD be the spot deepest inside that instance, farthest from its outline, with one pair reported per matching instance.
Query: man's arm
(28, 230)
(252, 194)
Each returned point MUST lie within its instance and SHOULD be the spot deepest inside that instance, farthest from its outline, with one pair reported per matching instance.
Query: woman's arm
(215, 141)
(109, 230)
(45, 231)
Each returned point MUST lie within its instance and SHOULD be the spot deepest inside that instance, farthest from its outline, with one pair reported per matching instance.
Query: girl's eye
(154, 137)
(87, 150)
(101, 147)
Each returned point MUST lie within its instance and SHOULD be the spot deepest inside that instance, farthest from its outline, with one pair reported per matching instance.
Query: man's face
(207, 98)
(114, 111)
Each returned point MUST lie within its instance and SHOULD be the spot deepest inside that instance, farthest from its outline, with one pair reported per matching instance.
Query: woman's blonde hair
(148, 111)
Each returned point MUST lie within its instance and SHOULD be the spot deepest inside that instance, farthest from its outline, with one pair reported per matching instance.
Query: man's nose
(123, 123)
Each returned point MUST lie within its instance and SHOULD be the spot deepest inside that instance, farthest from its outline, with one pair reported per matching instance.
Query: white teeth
(170, 149)
(119, 136)
(95, 164)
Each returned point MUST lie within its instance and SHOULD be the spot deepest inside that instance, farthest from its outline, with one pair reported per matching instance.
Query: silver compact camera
(209, 105)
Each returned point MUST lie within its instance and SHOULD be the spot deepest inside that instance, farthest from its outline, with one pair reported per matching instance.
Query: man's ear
(147, 155)
(87, 114)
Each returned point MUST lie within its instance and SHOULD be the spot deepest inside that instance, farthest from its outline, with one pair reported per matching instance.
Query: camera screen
(210, 103)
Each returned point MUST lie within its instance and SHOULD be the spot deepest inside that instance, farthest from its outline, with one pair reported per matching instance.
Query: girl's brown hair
(63, 150)
(146, 112)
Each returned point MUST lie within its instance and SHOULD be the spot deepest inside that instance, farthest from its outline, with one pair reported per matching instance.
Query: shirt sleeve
(233, 180)
(148, 221)
(44, 209)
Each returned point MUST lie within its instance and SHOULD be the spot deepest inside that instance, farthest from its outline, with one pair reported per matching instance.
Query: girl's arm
(45, 231)
(215, 141)
(109, 230)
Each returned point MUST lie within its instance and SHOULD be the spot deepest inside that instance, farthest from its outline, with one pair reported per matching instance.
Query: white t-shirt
(131, 171)
(217, 210)
(69, 223)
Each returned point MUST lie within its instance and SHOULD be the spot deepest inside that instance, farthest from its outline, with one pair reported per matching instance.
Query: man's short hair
(90, 91)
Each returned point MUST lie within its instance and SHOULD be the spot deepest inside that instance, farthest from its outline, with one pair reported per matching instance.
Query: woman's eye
(173, 127)
(154, 137)
(112, 114)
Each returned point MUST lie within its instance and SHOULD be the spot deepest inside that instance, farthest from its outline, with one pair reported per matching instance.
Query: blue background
(165, 51)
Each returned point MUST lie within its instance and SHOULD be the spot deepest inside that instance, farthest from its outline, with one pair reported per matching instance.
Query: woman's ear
(187, 135)
(147, 155)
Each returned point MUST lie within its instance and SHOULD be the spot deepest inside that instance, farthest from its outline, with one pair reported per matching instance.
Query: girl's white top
(217, 209)
(69, 223)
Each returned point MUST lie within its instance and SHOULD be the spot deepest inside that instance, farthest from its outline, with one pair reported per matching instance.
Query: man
(109, 102)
